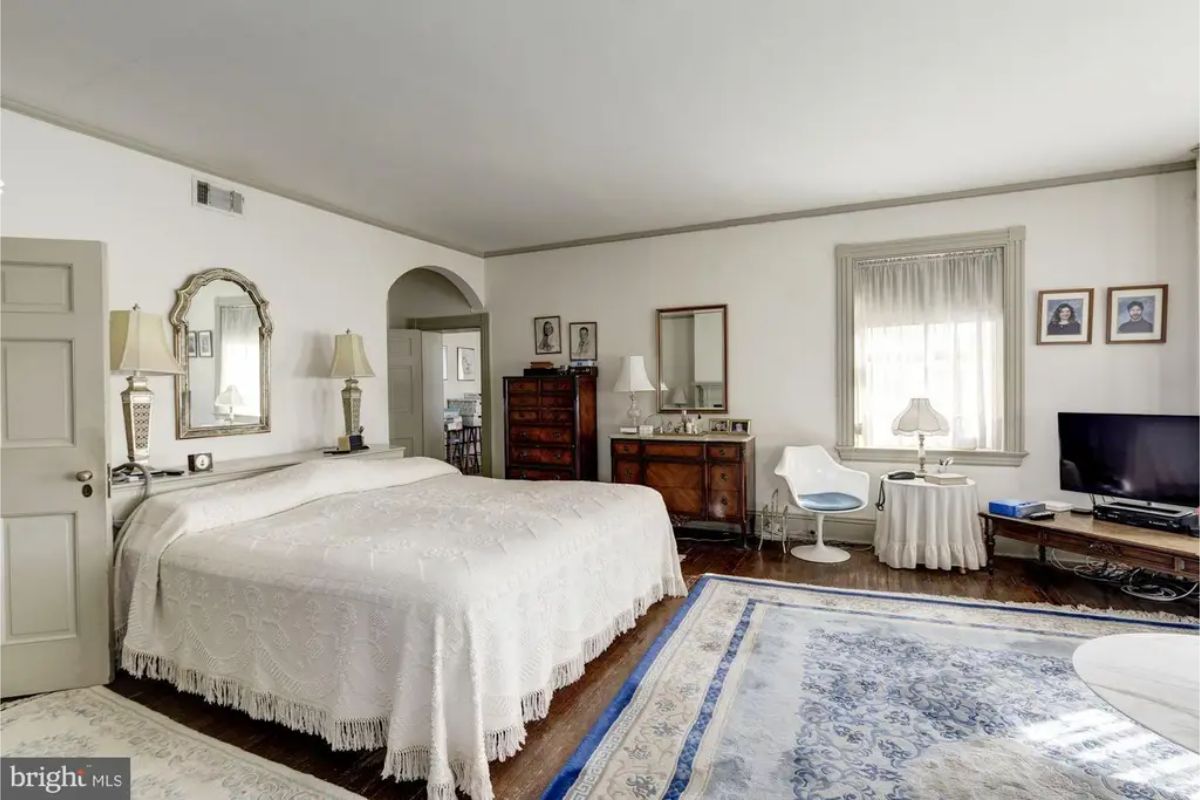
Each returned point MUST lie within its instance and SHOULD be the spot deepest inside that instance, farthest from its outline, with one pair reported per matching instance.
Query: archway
(438, 362)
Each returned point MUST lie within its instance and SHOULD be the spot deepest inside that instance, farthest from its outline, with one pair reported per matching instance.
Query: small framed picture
(739, 426)
(1137, 314)
(583, 341)
(466, 363)
(547, 335)
(718, 424)
(204, 344)
(191, 344)
(1064, 316)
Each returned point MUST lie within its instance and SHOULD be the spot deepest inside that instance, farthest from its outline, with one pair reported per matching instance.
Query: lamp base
(351, 406)
(136, 402)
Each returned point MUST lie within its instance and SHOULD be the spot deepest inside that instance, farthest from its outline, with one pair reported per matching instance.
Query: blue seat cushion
(829, 501)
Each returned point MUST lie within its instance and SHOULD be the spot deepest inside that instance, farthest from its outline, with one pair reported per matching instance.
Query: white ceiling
(493, 125)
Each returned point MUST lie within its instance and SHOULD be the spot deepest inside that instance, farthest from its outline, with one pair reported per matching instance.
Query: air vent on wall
(209, 196)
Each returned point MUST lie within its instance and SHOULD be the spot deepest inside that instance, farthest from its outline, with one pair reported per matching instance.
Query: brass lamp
(138, 346)
(350, 362)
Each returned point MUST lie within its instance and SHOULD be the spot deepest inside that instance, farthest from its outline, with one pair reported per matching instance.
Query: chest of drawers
(550, 427)
(701, 478)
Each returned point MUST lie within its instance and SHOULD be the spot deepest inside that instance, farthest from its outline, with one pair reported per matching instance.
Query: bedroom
(409, 172)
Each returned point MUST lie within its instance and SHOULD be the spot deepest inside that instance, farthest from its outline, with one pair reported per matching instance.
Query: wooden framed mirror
(223, 342)
(693, 359)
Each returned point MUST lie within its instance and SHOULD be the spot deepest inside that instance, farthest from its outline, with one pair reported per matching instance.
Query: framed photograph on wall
(1137, 314)
(547, 335)
(583, 341)
(204, 344)
(1064, 316)
(466, 363)
(191, 344)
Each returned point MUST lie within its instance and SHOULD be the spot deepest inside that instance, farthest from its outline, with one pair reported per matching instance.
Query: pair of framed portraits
(581, 338)
(1136, 315)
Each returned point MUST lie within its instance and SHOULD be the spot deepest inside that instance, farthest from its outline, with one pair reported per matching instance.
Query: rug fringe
(411, 763)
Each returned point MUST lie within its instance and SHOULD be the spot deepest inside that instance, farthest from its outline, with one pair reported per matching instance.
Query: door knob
(83, 476)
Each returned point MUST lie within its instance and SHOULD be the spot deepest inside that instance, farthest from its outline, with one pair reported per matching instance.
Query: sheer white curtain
(930, 326)
(237, 327)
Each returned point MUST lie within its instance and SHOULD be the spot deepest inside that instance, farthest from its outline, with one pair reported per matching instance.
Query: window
(936, 318)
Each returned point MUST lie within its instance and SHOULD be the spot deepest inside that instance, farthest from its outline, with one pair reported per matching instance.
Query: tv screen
(1150, 457)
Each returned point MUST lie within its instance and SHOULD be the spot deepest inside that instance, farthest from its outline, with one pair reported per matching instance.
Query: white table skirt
(937, 526)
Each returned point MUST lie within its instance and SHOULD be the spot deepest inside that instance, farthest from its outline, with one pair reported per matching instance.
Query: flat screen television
(1150, 457)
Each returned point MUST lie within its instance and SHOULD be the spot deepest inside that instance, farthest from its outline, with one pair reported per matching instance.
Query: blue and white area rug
(768, 690)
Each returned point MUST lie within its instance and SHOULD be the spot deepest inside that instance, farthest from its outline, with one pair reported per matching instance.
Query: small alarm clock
(200, 462)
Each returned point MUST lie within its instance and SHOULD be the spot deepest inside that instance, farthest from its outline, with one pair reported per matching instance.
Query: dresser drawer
(672, 450)
(523, 400)
(523, 387)
(524, 434)
(554, 456)
(727, 477)
(529, 415)
(557, 417)
(538, 474)
(558, 385)
(667, 474)
(725, 452)
(724, 505)
(627, 472)
(626, 448)
(557, 401)
(684, 502)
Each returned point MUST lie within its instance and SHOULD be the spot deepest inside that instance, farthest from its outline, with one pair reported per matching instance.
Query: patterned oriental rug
(759, 689)
(168, 761)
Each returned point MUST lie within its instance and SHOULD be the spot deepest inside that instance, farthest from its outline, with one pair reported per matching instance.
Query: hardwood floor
(576, 707)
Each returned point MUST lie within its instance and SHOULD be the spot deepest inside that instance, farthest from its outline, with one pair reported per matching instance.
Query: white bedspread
(390, 603)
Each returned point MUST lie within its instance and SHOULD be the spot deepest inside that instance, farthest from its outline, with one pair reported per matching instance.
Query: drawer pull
(724, 501)
(724, 476)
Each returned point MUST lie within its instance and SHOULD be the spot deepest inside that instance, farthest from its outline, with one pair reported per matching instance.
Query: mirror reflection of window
(224, 379)
(692, 359)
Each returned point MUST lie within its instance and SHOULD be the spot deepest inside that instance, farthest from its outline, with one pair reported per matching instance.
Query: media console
(1171, 553)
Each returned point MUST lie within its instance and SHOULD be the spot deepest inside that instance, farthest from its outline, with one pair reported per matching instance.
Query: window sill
(987, 458)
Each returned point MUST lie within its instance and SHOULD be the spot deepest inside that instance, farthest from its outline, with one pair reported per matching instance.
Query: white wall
(778, 280)
(321, 273)
(455, 389)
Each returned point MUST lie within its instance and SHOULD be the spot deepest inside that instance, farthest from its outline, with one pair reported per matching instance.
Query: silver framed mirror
(223, 342)
(693, 359)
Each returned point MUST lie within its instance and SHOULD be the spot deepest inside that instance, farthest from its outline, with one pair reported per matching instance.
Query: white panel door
(405, 402)
(433, 391)
(56, 540)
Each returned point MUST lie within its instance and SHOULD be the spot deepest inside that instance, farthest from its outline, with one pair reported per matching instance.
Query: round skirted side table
(937, 526)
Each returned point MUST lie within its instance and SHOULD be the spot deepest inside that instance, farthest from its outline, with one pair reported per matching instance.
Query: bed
(393, 603)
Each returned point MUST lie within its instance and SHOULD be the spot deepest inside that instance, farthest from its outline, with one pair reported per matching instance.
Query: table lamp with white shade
(922, 419)
(350, 362)
(633, 379)
(226, 401)
(138, 346)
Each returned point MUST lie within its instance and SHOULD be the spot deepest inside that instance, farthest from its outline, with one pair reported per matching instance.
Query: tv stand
(1170, 553)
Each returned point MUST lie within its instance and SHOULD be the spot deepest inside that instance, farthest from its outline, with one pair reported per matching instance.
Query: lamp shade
(229, 398)
(920, 417)
(349, 357)
(633, 376)
(679, 396)
(137, 343)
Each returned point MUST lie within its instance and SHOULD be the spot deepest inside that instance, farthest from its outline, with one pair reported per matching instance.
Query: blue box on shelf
(1016, 508)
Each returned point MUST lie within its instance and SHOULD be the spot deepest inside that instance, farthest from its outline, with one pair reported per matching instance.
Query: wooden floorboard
(575, 708)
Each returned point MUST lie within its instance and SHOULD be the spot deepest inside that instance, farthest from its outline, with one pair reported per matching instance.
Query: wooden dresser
(550, 428)
(701, 478)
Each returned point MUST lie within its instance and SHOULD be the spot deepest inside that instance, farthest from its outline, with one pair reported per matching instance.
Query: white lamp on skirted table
(138, 346)
(920, 418)
(350, 362)
(226, 403)
(633, 379)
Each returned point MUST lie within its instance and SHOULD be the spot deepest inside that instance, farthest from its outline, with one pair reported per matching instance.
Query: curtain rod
(915, 256)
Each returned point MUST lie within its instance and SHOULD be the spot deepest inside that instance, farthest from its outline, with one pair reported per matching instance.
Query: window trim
(1011, 242)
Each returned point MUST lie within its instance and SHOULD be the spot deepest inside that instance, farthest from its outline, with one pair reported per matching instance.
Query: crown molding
(29, 110)
(847, 208)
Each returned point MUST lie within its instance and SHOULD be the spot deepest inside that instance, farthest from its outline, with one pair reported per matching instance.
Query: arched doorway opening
(438, 369)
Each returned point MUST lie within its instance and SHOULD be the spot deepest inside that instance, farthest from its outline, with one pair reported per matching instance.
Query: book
(946, 479)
